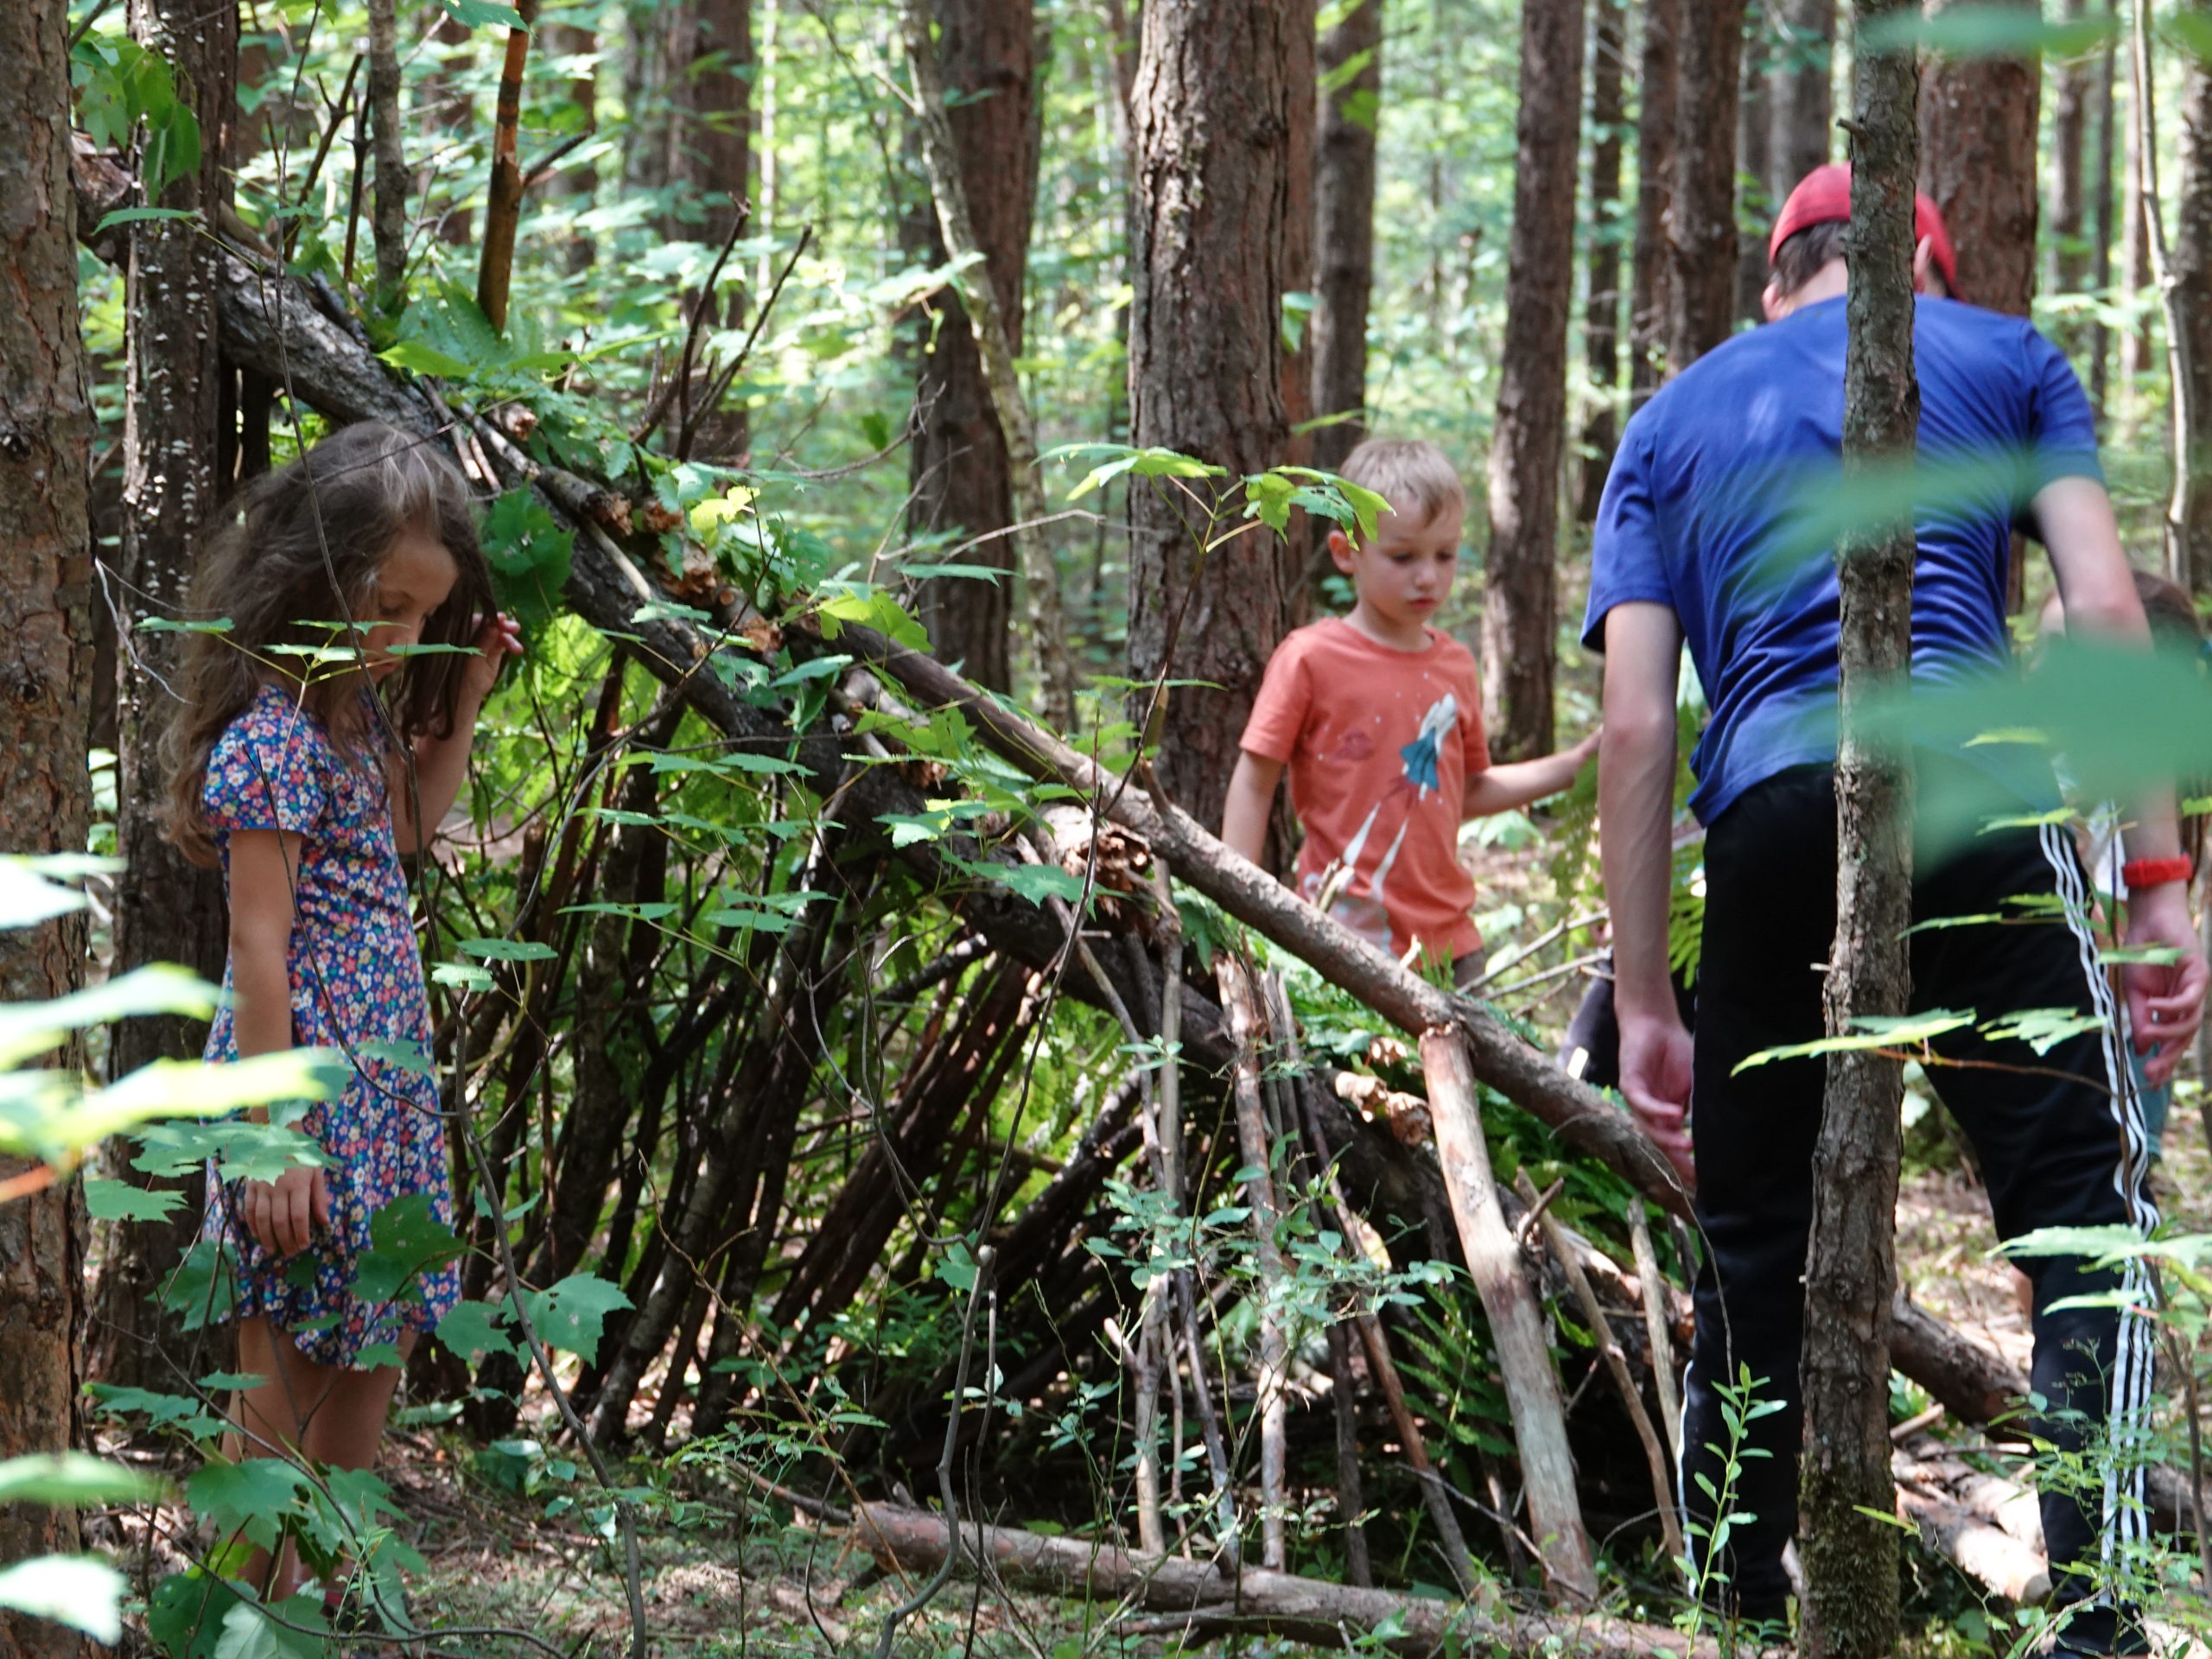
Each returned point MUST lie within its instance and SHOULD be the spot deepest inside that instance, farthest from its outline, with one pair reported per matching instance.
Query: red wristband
(2155, 871)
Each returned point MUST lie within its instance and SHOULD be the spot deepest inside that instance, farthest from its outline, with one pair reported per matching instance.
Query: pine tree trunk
(1601, 316)
(166, 909)
(2138, 349)
(1701, 223)
(2188, 318)
(1658, 83)
(45, 792)
(960, 479)
(1754, 163)
(1849, 1542)
(1520, 591)
(1210, 112)
(1978, 131)
(1804, 96)
(2101, 242)
(1350, 61)
(2070, 121)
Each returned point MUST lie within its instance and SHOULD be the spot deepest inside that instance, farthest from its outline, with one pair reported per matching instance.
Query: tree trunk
(1601, 316)
(1700, 221)
(1344, 228)
(1754, 165)
(575, 186)
(1658, 90)
(1978, 119)
(1520, 591)
(2102, 241)
(960, 477)
(708, 80)
(1847, 1497)
(166, 909)
(1804, 96)
(45, 792)
(388, 213)
(2070, 121)
(1212, 113)
(2187, 289)
(2138, 350)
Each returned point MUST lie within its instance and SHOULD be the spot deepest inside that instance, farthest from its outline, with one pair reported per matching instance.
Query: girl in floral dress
(313, 751)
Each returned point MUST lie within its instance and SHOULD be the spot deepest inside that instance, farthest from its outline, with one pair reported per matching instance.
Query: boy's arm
(1500, 789)
(1636, 798)
(1251, 794)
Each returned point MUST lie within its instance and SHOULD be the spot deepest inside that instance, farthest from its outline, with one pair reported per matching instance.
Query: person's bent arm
(1636, 798)
(1501, 789)
(1251, 797)
(2166, 1000)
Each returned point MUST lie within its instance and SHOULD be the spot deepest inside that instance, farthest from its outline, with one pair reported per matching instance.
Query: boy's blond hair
(1415, 477)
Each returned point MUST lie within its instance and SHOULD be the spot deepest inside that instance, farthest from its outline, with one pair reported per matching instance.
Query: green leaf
(1869, 1032)
(253, 1497)
(293, 1629)
(121, 1201)
(72, 1477)
(472, 1330)
(509, 950)
(872, 607)
(530, 557)
(185, 1614)
(424, 358)
(1989, 29)
(139, 216)
(480, 13)
(32, 1028)
(406, 1239)
(82, 1592)
(2042, 1029)
(411, 1057)
(465, 975)
(572, 1314)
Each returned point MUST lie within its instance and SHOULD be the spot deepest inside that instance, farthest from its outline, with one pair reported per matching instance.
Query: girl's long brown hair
(301, 552)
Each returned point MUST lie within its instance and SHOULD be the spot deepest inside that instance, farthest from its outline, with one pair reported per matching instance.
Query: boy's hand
(1655, 1057)
(2166, 1000)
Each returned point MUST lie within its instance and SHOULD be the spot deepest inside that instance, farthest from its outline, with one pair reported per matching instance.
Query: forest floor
(498, 1558)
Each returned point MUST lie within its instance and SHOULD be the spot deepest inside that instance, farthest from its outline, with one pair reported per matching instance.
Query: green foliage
(127, 95)
(528, 557)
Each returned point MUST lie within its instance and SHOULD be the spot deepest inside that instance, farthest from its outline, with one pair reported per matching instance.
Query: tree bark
(1350, 61)
(1601, 316)
(2187, 286)
(1700, 222)
(1804, 96)
(1849, 1546)
(2100, 243)
(960, 475)
(995, 354)
(1658, 91)
(46, 426)
(166, 909)
(2069, 123)
(709, 87)
(1754, 165)
(1978, 118)
(388, 213)
(503, 206)
(2138, 350)
(1212, 111)
(1520, 590)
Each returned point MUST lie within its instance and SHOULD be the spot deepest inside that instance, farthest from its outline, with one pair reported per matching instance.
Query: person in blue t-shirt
(1714, 530)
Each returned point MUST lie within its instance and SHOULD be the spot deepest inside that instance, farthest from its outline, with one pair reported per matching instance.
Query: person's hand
(1587, 749)
(495, 640)
(2166, 1000)
(282, 1214)
(1656, 1055)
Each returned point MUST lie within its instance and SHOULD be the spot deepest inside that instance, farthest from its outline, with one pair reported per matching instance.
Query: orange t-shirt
(1380, 744)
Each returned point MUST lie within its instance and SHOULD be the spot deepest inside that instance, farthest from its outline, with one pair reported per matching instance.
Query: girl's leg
(345, 1433)
(270, 1421)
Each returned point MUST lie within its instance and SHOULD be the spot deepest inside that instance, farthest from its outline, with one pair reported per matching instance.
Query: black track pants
(2056, 1145)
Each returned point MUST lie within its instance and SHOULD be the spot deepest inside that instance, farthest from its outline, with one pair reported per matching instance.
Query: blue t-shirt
(1725, 499)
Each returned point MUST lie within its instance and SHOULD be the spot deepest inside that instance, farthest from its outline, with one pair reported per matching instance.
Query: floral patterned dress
(356, 975)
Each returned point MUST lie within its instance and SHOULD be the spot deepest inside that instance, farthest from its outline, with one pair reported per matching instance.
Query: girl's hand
(282, 1214)
(495, 640)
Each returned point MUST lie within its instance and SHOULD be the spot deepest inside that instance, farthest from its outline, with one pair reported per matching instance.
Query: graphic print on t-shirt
(1419, 759)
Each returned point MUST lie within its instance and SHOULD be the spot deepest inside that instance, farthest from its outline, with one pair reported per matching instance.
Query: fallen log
(1197, 1596)
(1987, 1526)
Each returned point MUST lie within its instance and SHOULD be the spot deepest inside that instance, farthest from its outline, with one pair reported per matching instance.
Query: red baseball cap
(1823, 195)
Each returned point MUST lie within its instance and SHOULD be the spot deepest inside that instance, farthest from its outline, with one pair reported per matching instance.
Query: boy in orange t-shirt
(1378, 717)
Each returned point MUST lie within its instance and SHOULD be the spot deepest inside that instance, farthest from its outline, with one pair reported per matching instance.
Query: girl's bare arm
(264, 867)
